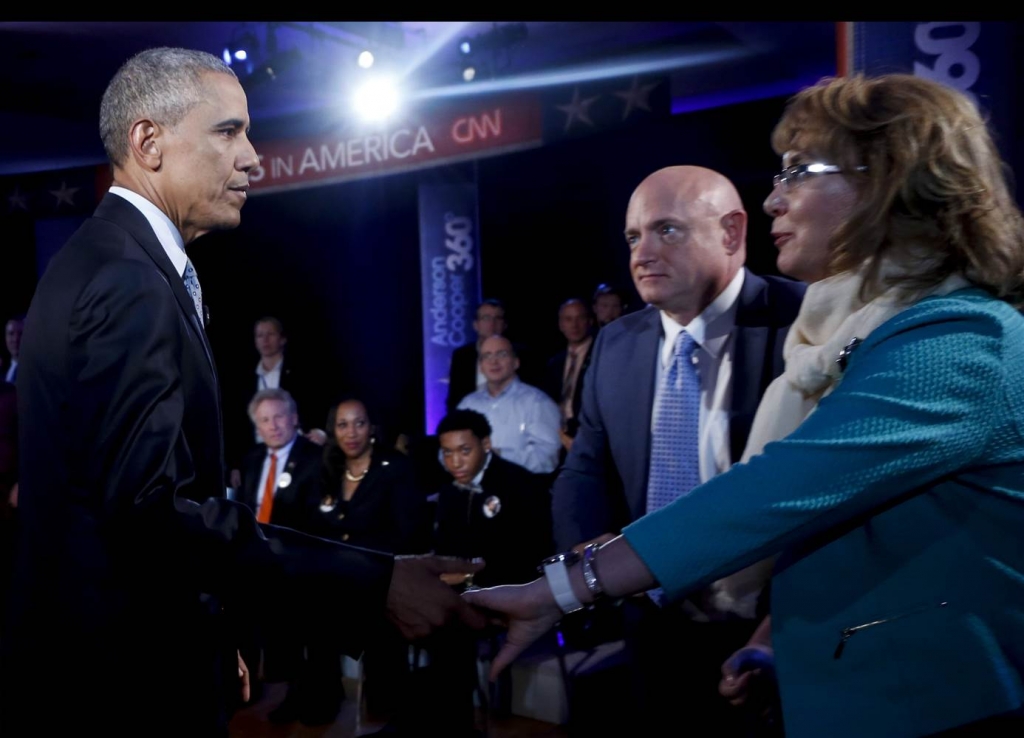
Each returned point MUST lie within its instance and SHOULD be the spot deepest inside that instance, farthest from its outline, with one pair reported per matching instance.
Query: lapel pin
(492, 506)
(848, 349)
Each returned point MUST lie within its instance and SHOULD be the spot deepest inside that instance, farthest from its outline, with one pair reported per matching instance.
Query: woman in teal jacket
(891, 479)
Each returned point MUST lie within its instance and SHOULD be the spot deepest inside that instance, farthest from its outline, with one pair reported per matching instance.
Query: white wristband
(557, 574)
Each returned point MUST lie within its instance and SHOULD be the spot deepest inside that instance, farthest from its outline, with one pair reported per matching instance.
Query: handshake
(424, 595)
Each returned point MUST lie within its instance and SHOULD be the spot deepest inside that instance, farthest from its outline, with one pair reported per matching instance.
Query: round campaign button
(492, 506)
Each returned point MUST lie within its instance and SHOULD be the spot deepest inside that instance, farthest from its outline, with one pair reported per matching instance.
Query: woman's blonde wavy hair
(934, 199)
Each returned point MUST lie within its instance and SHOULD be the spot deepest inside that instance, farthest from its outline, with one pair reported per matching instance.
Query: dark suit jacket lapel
(641, 369)
(748, 373)
(118, 210)
(296, 456)
(251, 479)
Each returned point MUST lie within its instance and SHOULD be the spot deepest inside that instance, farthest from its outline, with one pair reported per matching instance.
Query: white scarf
(831, 315)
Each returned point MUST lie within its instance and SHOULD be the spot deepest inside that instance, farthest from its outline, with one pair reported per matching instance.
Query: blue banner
(450, 276)
(973, 57)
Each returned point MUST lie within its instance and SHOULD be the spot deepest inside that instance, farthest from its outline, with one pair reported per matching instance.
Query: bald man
(686, 229)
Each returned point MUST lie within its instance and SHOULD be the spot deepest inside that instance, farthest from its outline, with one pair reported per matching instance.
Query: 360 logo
(956, 65)
(459, 232)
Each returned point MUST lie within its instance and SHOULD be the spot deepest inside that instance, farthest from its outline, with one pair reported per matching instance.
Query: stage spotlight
(468, 74)
(366, 59)
(376, 99)
(242, 46)
(465, 46)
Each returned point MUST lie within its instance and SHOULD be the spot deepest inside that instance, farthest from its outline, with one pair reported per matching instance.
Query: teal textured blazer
(898, 510)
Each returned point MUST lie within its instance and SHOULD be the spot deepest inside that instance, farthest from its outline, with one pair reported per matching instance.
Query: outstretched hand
(529, 611)
(419, 602)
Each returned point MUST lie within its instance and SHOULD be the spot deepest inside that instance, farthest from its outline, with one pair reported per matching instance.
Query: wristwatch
(556, 571)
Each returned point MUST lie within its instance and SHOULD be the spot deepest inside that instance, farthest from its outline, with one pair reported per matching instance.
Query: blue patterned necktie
(675, 458)
(192, 285)
(675, 448)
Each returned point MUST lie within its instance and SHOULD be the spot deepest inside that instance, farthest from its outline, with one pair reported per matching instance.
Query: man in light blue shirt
(524, 420)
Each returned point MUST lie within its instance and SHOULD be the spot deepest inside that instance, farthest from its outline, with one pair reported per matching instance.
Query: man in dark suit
(566, 369)
(281, 484)
(131, 557)
(492, 508)
(297, 464)
(686, 230)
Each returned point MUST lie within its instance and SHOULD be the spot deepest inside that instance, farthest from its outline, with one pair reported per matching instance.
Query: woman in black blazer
(370, 499)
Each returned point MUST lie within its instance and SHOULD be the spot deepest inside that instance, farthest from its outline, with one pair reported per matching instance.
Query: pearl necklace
(352, 478)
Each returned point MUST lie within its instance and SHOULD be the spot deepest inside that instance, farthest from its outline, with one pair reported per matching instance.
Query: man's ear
(734, 226)
(144, 140)
(487, 443)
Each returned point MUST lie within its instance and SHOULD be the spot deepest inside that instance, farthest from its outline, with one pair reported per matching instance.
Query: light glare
(376, 99)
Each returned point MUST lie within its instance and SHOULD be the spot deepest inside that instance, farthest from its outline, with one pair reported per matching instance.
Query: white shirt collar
(480, 474)
(264, 372)
(514, 384)
(282, 453)
(166, 232)
(711, 328)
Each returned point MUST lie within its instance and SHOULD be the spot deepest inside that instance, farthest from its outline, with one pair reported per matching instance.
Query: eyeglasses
(791, 177)
(503, 354)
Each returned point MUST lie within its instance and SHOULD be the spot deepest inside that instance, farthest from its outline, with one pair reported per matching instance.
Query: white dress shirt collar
(710, 330)
(282, 453)
(166, 232)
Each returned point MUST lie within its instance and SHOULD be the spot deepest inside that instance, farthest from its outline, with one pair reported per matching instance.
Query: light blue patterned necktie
(191, 280)
(675, 447)
(675, 460)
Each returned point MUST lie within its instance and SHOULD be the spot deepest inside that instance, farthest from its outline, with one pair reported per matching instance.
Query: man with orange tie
(281, 476)
(280, 483)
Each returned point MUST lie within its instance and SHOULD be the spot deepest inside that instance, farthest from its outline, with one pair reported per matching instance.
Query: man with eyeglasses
(524, 420)
(464, 374)
(668, 402)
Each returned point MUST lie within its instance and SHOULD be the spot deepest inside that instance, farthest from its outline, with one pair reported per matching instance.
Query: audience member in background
(491, 509)
(12, 337)
(608, 304)
(524, 420)
(566, 369)
(273, 370)
(280, 484)
(465, 374)
(369, 498)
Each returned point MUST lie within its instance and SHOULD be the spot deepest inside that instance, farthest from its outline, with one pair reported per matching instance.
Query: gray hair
(163, 84)
(273, 393)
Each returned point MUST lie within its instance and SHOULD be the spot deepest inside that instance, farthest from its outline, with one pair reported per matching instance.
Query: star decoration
(18, 199)
(637, 96)
(577, 109)
(65, 194)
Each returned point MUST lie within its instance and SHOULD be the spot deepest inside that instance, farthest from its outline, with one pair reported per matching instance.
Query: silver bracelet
(590, 571)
